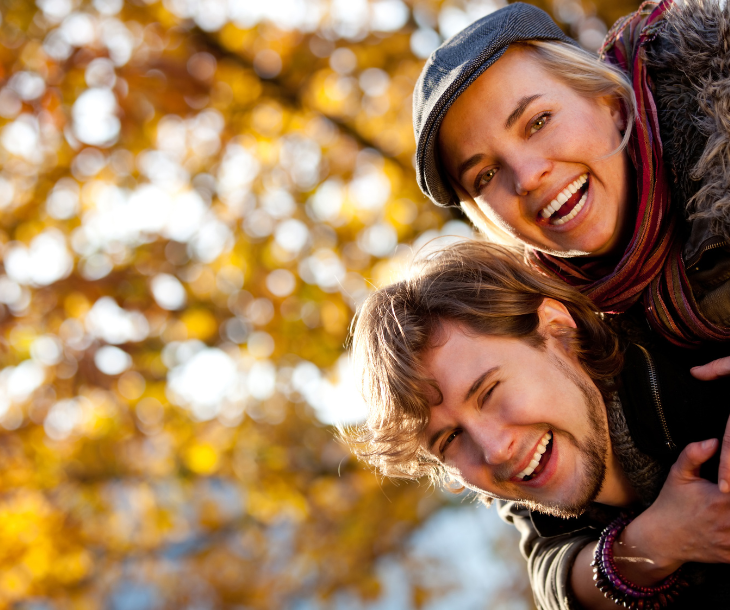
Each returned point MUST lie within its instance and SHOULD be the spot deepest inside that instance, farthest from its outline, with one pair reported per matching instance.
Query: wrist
(617, 587)
(643, 555)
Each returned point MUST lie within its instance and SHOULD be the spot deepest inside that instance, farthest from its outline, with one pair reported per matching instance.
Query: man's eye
(449, 439)
(488, 393)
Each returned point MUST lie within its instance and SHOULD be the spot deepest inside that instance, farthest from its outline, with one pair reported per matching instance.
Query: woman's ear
(614, 107)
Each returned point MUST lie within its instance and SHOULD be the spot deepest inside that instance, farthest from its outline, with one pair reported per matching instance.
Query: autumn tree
(195, 196)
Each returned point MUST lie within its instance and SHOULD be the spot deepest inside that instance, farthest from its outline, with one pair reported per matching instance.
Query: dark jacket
(665, 408)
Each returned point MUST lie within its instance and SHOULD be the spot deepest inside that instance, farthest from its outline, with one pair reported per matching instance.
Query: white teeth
(573, 212)
(562, 197)
(541, 448)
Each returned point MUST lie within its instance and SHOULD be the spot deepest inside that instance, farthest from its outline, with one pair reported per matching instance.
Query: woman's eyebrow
(467, 165)
(521, 106)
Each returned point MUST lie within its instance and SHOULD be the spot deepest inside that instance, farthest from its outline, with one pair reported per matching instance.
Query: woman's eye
(485, 179)
(541, 121)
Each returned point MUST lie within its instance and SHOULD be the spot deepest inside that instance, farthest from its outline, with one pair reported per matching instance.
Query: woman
(612, 172)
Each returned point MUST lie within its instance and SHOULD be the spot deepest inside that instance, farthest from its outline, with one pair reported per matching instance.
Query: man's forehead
(456, 356)
(447, 333)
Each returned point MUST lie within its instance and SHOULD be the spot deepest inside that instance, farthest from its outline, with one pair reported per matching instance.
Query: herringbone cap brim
(455, 65)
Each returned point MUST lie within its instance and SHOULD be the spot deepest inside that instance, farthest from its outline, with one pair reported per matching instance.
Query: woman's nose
(529, 173)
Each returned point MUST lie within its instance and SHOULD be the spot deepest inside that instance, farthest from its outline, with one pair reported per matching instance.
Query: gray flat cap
(454, 66)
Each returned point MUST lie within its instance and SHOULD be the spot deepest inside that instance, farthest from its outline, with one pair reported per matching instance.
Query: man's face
(535, 156)
(507, 405)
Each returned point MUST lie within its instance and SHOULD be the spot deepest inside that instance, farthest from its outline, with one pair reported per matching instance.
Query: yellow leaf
(202, 458)
(76, 305)
(199, 323)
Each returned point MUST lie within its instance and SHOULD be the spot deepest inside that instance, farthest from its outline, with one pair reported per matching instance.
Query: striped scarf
(652, 267)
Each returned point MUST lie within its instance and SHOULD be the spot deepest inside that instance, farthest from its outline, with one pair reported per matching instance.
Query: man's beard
(593, 450)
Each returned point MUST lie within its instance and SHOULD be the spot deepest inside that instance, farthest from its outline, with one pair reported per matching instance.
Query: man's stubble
(593, 449)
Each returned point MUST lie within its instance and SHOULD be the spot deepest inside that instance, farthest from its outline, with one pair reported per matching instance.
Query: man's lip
(529, 458)
(549, 470)
(546, 201)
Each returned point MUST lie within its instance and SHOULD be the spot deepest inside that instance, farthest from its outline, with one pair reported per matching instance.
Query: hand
(712, 370)
(689, 521)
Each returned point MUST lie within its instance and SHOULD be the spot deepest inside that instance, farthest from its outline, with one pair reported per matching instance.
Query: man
(479, 370)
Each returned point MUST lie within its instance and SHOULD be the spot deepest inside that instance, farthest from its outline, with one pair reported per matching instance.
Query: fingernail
(708, 443)
(724, 487)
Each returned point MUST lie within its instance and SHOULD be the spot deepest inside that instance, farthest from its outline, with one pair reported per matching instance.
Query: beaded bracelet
(621, 591)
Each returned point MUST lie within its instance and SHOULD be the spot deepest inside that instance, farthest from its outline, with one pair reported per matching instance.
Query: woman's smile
(567, 204)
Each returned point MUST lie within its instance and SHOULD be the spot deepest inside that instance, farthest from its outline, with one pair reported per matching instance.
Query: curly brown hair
(489, 290)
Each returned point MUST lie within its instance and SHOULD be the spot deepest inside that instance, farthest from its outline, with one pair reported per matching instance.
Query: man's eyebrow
(519, 109)
(478, 382)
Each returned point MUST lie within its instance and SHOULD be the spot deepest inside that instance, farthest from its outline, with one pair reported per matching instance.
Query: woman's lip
(544, 223)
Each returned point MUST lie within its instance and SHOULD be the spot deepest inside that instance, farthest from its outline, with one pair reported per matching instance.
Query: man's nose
(529, 173)
(496, 444)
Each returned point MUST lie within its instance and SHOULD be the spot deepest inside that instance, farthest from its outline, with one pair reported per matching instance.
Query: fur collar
(690, 65)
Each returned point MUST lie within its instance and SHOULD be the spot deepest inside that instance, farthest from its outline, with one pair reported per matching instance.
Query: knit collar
(645, 474)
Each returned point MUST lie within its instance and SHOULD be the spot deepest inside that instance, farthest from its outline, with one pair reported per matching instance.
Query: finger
(692, 457)
(723, 475)
(712, 370)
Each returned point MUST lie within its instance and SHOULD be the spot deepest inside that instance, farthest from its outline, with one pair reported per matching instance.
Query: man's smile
(539, 459)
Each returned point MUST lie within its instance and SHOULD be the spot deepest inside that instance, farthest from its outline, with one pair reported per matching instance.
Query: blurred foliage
(194, 197)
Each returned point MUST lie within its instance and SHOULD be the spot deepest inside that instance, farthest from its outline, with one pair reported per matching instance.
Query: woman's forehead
(515, 75)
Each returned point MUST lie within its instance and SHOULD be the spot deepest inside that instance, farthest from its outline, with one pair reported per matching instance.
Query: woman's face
(535, 156)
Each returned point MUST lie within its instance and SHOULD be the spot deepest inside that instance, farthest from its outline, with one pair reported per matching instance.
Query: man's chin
(570, 510)
(563, 511)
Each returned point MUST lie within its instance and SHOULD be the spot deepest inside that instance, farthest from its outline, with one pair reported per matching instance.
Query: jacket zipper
(654, 383)
(698, 255)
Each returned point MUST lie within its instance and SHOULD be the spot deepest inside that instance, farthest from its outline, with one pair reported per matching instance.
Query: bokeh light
(195, 197)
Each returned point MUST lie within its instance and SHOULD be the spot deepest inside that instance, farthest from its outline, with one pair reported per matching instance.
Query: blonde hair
(588, 77)
(489, 290)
